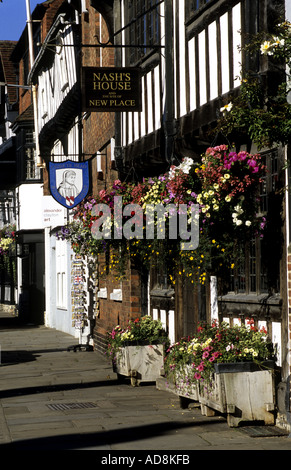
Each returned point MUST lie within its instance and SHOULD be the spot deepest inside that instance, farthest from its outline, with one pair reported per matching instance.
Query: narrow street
(55, 399)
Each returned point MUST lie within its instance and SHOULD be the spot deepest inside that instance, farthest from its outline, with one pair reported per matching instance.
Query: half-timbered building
(189, 54)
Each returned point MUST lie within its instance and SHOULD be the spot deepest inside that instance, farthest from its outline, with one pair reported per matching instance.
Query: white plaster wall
(30, 206)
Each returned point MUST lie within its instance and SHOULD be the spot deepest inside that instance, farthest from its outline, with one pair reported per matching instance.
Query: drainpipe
(33, 87)
(118, 151)
(169, 82)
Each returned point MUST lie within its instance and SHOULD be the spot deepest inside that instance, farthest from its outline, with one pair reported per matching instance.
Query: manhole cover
(70, 406)
(263, 431)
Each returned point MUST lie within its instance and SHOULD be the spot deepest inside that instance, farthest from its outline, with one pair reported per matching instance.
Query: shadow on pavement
(9, 358)
(102, 439)
(55, 388)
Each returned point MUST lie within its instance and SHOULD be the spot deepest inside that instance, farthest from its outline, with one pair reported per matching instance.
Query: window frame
(252, 279)
(139, 30)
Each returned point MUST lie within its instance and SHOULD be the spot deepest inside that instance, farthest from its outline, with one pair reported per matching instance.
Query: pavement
(54, 399)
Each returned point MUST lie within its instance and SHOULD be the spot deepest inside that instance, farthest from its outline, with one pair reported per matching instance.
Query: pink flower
(197, 376)
(200, 367)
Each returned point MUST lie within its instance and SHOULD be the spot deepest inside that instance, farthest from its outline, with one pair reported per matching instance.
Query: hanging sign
(69, 182)
(111, 89)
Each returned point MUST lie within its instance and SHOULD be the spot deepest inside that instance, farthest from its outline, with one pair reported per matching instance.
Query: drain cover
(70, 406)
(263, 431)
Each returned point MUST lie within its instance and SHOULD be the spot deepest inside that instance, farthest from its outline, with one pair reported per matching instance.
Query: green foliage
(261, 111)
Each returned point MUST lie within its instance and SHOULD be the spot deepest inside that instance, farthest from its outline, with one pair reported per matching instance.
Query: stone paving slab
(39, 371)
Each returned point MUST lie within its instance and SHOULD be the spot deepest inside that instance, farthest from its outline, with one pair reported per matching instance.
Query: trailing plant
(7, 250)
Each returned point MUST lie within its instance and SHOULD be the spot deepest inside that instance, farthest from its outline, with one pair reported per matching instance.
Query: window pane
(145, 27)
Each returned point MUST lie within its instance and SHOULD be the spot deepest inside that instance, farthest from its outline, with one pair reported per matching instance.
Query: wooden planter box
(184, 385)
(249, 392)
(243, 392)
(141, 363)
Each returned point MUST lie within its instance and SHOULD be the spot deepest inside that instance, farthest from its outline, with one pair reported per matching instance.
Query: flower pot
(139, 362)
(244, 391)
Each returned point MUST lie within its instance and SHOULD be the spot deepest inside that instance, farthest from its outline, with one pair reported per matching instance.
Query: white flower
(266, 48)
(185, 166)
(278, 42)
(238, 222)
(248, 223)
(238, 209)
(226, 108)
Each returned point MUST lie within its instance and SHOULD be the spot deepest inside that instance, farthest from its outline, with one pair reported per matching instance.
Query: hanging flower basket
(223, 188)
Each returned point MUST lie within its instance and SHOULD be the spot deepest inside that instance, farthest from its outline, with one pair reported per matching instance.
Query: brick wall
(49, 17)
(112, 312)
(98, 128)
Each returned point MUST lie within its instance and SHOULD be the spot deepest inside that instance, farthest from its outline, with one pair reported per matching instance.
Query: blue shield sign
(69, 182)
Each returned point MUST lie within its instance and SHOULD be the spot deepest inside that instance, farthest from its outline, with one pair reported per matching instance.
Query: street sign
(69, 182)
(111, 89)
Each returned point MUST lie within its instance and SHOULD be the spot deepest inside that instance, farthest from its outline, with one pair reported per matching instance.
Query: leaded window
(144, 29)
(256, 270)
